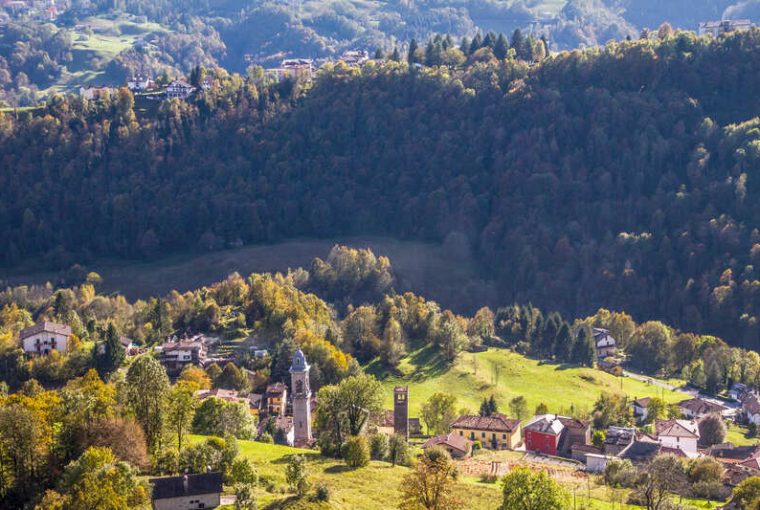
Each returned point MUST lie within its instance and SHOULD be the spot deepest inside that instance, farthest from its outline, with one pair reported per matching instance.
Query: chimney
(185, 483)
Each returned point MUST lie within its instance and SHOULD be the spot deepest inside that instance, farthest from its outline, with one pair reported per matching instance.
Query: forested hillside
(620, 177)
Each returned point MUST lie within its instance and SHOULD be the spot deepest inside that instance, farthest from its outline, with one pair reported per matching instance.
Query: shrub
(356, 452)
(322, 493)
(378, 446)
(398, 450)
(620, 473)
(265, 437)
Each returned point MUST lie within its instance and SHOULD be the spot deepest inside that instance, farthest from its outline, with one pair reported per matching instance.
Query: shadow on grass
(310, 456)
(339, 468)
(426, 362)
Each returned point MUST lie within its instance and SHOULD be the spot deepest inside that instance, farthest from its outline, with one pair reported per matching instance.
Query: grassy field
(375, 487)
(440, 274)
(738, 435)
(505, 374)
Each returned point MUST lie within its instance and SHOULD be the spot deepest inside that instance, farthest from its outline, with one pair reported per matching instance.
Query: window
(482, 434)
(503, 436)
(461, 432)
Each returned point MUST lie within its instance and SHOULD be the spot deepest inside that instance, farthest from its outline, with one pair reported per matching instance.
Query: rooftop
(45, 327)
(495, 423)
(452, 440)
(186, 485)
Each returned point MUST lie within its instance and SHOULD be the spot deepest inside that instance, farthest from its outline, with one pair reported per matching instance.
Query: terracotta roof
(642, 402)
(175, 486)
(753, 463)
(495, 423)
(677, 428)
(700, 406)
(451, 439)
(47, 327)
(276, 389)
(573, 423)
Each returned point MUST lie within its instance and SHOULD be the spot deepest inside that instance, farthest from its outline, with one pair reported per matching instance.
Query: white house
(716, 28)
(751, 409)
(678, 434)
(179, 89)
(187, 492)
(640, 408)
(139, 83)
(605, 343)
(45, 337)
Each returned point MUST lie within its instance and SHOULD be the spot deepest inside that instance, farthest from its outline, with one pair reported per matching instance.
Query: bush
(265, 437)
(378, 446)
(398, 450)
(356, 452)
(322, 493)
(620, 473)
(477, 445)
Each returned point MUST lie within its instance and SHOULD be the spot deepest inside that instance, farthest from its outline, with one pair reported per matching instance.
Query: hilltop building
(716, 28)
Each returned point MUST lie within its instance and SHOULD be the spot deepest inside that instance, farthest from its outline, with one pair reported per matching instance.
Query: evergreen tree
(584, 351)
(112, 355)
(501, 48)
(476, 44)
(518, 43)
(465, 46)
(379, 55)
(489, 40)
(564, 343)
(411, 56)
(396, 56)
(549, 335)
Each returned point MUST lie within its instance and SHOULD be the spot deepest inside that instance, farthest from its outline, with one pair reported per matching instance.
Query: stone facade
(299, 385)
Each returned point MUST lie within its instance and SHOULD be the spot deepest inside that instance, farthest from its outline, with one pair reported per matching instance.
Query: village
(284, 410)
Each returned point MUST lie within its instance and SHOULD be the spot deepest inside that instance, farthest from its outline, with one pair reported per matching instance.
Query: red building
(542, 434)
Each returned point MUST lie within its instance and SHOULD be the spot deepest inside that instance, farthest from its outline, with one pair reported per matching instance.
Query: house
(354, 57)
(643, 450)
(93, 93)
(543, 433)
(177, 354)
(695, 408)
(126, 343)
(255, 399)
(179, 89)
(140, 83)
(618, 439)
(597, 462)
(679, 435)
(495, 432)
(640, 407)
(716, 28)
(415, 428)
(605, 343)
(276, 396)
(227, 396)
(575, 432)
(296, 69)
(208, 83)
(187, 492)
(737, 391)
(750, 410)
(44, 337)
(458, 446)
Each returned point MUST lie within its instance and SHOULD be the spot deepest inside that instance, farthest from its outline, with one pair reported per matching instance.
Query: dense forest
(618, 177)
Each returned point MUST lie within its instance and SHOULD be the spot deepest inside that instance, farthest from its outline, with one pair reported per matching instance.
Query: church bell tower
(301, 391)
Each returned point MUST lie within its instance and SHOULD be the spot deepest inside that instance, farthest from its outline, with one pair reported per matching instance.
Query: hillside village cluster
(303, 70)
(289, 409)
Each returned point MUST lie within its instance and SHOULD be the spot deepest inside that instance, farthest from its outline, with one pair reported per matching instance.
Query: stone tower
(401, 410)
(301, 391)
